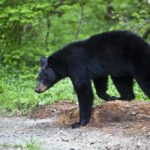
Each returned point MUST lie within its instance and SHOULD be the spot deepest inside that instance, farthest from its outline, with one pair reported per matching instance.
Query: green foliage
(130, 15)
(20, 22)
(50, 24)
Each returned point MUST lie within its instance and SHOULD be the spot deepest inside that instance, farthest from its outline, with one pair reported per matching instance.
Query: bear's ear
(43, 62)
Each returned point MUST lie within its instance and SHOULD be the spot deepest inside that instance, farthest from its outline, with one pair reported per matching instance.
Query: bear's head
(47, 76)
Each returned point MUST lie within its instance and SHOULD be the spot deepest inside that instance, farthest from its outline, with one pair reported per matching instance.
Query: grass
(33, 145)
(29, 145)
(17, 90)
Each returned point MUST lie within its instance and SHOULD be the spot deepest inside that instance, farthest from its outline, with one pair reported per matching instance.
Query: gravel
(52, 136)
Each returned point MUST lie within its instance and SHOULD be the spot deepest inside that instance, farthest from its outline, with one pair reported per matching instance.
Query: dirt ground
(114, 125)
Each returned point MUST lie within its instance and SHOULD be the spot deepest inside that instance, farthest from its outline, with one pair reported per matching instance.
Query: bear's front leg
(85, 98)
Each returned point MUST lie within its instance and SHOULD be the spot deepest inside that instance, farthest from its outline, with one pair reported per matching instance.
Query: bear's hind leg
(101, 88)
(124, 86)
(144, 83)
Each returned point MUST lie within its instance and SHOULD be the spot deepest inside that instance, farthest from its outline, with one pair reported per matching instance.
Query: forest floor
(114, 125)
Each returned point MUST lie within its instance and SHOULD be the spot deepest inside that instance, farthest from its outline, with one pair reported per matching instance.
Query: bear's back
(118, 41)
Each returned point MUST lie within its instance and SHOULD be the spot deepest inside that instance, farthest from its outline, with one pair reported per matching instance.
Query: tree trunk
(47, 33)
(80, 22)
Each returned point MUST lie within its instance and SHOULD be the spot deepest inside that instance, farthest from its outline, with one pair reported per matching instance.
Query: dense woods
(31, 28)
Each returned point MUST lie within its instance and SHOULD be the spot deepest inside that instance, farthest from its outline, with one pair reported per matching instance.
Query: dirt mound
(43, 112)
(114, 111)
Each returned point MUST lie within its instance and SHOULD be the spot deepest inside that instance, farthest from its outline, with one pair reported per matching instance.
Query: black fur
(120, 54)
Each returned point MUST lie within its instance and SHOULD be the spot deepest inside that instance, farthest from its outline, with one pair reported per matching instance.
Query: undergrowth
(17, 90)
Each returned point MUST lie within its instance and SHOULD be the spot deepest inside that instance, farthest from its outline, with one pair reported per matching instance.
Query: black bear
(121, 54)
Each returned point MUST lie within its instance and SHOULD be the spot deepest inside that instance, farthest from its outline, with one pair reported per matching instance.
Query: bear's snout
(40, 88)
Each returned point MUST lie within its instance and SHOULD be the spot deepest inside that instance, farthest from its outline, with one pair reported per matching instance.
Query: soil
(116, 125)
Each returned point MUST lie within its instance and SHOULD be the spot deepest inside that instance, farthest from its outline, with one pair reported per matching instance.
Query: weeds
(17, 91)
(29, 145)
